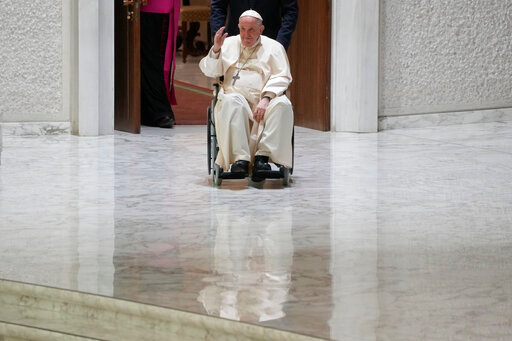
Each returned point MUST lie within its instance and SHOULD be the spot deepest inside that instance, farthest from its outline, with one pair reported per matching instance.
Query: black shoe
(261, 164)
(166, 122)
(240, 166)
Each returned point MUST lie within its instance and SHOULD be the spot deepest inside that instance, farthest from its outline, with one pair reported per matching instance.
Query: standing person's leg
(155, 107)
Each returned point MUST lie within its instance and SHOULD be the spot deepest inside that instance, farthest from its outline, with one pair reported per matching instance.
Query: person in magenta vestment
(159, 29)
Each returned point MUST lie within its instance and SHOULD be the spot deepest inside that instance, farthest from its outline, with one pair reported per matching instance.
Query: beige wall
(438, 56)
(31, 67)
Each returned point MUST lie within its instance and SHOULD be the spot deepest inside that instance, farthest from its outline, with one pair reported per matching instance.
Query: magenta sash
(173, 8)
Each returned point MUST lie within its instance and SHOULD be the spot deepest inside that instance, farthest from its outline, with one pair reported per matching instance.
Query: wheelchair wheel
(286, 176)
(209, 139)
(293, 150)
(216, 176)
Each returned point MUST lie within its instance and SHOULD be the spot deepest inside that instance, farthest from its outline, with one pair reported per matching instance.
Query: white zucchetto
(251, 13)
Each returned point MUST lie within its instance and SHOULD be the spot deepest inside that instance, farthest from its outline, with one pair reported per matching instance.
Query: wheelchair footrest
(229, 175)
(268, 174)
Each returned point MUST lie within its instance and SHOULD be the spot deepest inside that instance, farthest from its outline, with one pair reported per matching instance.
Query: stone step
(36, 310)
(15, 332)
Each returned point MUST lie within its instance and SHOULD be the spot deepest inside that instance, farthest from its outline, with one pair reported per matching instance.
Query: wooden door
(127, 65)
(310, 61)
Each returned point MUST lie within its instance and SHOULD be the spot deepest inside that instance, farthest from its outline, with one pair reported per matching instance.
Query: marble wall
(444, 55)
(1, 137)
(31, 67)
(355, 65)
(433, 57)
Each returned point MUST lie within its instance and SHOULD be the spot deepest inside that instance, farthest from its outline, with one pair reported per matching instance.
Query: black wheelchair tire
(209, 139)
(217, 171)
(286, 176)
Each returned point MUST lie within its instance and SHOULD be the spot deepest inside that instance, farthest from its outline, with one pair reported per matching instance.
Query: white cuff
(213, 54)
(268, 94)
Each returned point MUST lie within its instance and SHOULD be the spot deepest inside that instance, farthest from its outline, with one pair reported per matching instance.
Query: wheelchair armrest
(217, 86)
(217, 89)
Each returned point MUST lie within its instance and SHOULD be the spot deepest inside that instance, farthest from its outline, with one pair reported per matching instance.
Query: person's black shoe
(261, 164)
(166, 122)
(240, 166)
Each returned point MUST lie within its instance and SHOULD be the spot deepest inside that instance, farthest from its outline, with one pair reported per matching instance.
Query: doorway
(309, 53)
(193, 89)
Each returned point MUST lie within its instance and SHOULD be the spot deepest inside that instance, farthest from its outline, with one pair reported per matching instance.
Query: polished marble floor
(400, 235)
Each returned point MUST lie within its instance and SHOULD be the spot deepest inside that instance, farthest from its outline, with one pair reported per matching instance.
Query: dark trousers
(154, 102)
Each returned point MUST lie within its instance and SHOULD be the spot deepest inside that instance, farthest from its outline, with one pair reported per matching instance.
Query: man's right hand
(218, 40)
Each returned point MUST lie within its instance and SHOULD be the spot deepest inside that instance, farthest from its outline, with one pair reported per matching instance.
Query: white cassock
(264, 71)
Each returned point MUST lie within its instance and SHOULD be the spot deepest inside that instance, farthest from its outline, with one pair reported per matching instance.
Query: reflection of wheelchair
(217, 173)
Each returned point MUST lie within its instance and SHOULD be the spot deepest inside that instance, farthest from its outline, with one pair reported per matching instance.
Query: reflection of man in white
(252, 263)
(256, 75)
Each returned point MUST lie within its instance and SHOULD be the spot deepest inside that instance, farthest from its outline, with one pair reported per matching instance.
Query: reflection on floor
(400, 235)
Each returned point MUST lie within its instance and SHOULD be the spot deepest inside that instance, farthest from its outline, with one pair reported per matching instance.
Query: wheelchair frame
(217, 173)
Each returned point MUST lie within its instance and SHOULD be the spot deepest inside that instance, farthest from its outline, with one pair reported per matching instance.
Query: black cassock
(154, 28)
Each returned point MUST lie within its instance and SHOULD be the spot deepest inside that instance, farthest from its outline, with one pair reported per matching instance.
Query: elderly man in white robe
(256, 75)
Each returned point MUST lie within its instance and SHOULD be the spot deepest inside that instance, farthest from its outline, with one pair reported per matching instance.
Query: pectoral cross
(236, 77)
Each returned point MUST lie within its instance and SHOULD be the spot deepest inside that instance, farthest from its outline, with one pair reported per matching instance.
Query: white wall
(391, 58)
(57, 66)
(444, 55)
(31, 61)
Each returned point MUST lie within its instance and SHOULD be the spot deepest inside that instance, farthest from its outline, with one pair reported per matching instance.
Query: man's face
(250, 30)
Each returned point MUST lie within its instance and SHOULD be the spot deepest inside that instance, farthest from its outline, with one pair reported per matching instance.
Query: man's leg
(155, 107)
(276, 138)
(232, 128)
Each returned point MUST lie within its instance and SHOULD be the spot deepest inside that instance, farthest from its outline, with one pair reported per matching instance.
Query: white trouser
(271, 137)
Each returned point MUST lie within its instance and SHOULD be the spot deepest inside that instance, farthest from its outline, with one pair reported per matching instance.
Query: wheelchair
(217, 173)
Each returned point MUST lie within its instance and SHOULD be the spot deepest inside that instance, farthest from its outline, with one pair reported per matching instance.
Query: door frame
(88, 65)
(355, 30)
(310, 62)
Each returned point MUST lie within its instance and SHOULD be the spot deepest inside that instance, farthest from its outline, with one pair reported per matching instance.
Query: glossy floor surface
(400, 235)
